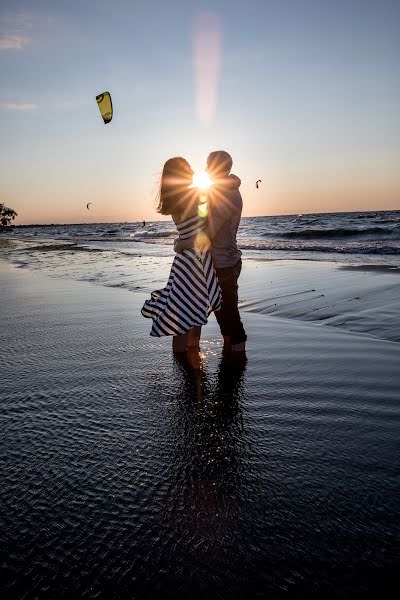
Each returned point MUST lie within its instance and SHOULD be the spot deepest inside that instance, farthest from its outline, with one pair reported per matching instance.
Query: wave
(340, 232)
(153, 234)
(61, 247)
(388, 221)
(74, 248)
(333, 249)
(245, 244)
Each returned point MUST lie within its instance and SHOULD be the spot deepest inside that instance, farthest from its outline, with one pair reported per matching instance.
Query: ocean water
(127, 475)
(127, 254)
(366, 233)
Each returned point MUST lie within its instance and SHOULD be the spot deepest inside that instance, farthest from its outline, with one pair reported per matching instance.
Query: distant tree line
(6, 215)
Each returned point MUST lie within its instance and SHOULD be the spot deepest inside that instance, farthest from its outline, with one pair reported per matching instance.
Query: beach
(161, 161)
(127, 473)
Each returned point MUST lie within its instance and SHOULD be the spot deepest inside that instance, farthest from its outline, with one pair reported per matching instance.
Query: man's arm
(219, 213)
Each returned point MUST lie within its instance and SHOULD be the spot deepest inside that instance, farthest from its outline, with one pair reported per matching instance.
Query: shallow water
(127, 474)
(365, 237)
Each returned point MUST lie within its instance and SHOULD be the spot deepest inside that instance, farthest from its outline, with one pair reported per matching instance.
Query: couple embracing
(207, 263)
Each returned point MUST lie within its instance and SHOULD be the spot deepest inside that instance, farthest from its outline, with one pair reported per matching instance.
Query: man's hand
(201, 242)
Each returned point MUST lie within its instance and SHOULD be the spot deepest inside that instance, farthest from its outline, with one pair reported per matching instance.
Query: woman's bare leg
(179, 343)
(194, 335)
(193, 359)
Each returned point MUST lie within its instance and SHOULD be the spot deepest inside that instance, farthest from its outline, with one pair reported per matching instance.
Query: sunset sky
(304, 94)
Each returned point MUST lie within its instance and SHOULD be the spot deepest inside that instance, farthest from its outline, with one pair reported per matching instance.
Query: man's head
(219, 164)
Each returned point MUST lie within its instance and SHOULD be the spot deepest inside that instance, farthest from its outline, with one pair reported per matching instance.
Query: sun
(201, 180)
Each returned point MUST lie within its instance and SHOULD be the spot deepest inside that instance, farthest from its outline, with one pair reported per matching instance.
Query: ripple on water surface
(126, 473)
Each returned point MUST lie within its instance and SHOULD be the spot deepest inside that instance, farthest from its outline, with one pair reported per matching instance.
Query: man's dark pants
(228, 317)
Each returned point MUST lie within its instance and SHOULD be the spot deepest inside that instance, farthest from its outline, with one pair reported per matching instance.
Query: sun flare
(201, 180)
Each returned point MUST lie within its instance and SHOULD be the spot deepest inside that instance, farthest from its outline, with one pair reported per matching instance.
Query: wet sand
(128, 474)
(359, 298)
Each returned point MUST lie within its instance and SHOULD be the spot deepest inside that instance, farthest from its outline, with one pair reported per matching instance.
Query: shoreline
(358, 298)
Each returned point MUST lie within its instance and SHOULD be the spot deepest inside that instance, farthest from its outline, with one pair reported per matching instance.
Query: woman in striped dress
(192, 291)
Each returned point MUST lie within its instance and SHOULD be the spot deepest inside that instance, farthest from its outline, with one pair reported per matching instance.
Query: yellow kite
(105, 106)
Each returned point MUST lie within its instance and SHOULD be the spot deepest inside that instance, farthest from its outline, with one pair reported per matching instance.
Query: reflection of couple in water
(208, 443)
(207, 263)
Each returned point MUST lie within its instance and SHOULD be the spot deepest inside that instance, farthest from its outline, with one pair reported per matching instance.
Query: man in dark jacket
(224, 213)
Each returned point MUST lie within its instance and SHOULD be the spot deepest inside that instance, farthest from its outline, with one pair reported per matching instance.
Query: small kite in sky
(88, 204)
(257, 183)
(105, 106)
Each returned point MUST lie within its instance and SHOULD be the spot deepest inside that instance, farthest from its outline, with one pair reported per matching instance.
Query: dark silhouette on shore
(6, 215)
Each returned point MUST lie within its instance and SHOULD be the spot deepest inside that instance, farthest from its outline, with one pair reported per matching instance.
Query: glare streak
(207, 44)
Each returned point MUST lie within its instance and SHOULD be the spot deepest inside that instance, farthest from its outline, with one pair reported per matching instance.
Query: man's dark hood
(232, 182)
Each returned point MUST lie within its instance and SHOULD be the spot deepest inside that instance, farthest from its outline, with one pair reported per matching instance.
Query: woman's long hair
(176, 178)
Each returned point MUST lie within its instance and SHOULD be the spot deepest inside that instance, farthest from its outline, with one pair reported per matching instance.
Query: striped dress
(192, 291)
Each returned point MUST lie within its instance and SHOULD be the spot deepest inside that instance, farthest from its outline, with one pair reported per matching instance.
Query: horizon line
(337, 212)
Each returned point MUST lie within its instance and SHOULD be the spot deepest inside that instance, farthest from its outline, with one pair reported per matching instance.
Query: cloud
(8, 41)
(14, 29)
(18, 106)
